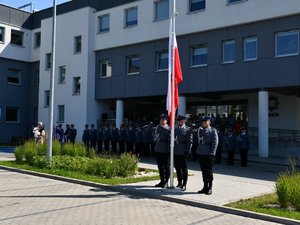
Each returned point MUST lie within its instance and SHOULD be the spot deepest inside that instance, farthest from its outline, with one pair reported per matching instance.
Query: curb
(124, 190)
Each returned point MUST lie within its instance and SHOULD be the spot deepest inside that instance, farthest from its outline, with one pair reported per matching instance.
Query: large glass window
(196, 5)
(76, 85)
(62, 75)
(133, 64)
(2, 33)
(131, 17)
(161, 9)
(60, 113)
(104, 22)
(37, 39)
(287, 43)
(162, 60)
(46, 98)
(12, 114)
(77, 44)
(199, 55)
(16, 37)
(13, 76)
(250, 48)
(48, 63)
(106, 68)
(234, 1)
(229, 51)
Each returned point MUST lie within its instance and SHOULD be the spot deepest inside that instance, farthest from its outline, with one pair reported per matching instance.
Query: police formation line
(204, 143)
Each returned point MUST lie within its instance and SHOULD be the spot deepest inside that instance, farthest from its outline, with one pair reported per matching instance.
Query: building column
(263, 124)
(119, 113)
(182, 106)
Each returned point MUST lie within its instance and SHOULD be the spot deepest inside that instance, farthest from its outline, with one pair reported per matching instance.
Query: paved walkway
(30, 200)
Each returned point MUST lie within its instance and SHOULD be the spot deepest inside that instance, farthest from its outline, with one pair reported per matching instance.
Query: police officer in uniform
(243, 146)
(60, 133)
(220, 145)
(122, 138)
(72, 134)
(106, 137)
(147, 139)
(130, 138)
(86, 137)
(67, 134)
(162, 138)
(138, 140)
(207, 146)
(114, 138)
(182, 148)
(230, 145)
(99, 139)
(93, 137)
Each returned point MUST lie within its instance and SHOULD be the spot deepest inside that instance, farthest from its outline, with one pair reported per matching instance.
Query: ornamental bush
(19, 154)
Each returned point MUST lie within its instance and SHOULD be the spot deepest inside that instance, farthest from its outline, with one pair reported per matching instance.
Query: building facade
(239, 58)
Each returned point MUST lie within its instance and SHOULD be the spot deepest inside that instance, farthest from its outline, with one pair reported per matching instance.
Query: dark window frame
(100, 29)
(16, 42)
(192, 50)
(129, 59)
(133, 22)
(193, 6)
(102, 62)
(76, 85)
(158, 58)
(10, 78)
(17, 120)
(77, 44)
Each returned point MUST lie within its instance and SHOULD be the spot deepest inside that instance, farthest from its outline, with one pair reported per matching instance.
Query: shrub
(56, 147)
(30, 151)
(127, 165)
(73, 150)
(295, 191)
(283, 189)
(92, 153)
(19, 154)
(40, 162)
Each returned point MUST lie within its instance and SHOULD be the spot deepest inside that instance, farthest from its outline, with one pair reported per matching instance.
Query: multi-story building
(239, 58)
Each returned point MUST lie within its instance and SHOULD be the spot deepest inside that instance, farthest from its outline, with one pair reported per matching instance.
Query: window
(60, 113)
(229, 51)
(133, 64)
(196, 5)
(161, 9)
(12, 114)
(76, 85)
(16, 37)
(77, 44)
(250, 48)
(131, 17)
(104, 23)
(46, 98)
(162, 60)
(48, 63)
(199, 55)
(234, 1)
(13, 76)
(106, 68)
(62, 75)
(37, 39)
(287, 43)
(2, 33)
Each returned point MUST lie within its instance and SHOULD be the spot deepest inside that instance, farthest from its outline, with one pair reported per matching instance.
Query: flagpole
(173, 97)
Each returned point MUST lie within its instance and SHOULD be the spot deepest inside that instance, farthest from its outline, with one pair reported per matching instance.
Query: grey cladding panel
(286, 71)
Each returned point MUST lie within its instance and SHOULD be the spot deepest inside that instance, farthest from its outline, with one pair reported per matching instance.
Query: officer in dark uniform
(93, 137)
(230, 146)
(114, 138)
(86, 137)
(152, 128)
(138, 140)
(194, 132)
(106, 137)
(122, 138)
(147, 139)
(220, 145)
(60, 133)
(130, 138)
(162, 138)
(207, 146)
(243, 146)
(99, 139)
(67, 134)
(72, 134)
(182, 148)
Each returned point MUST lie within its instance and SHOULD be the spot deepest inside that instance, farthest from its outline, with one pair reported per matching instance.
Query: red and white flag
(173, 101)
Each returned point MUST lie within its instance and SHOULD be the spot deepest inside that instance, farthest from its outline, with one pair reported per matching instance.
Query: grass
(260, 204)
(82, 176)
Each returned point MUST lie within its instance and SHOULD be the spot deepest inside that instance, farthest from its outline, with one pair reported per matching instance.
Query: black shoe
(160, 184)
(203, 191)
(183, 187)
(179, 184)
(208, 192)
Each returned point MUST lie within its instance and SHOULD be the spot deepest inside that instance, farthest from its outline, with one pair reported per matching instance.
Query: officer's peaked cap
(205, 118)
(163, 116)
(180, 117)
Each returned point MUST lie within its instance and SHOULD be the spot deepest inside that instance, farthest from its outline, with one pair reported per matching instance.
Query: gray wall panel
(286, 71)
(260, 77)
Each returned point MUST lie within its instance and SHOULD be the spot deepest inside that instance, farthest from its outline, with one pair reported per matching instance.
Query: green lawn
(82, 176)
(260, 204)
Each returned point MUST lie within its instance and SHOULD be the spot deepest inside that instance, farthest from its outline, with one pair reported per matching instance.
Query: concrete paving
(32, 200)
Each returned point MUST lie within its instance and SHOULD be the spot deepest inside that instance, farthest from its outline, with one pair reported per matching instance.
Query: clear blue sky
(38, 4)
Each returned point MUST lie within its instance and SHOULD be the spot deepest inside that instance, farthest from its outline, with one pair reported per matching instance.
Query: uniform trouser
(146, 149)
(219, 154)
(206, 165)
(87, 145)
(163, 166)
(193, 150)
(230, 154)
(138, 148)
(114, 147)
(244, 156)
(93, 145)
(129, 146)
(106, 145)
(181, 169)
(153, 148)
(99, 146)
(122, 146)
